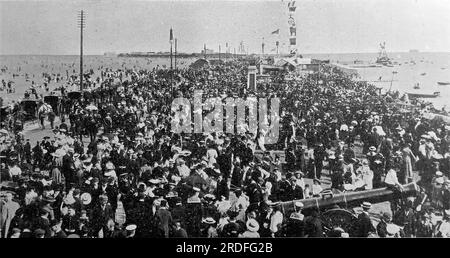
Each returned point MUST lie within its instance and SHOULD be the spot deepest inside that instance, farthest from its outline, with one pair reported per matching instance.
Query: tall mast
(81, 25)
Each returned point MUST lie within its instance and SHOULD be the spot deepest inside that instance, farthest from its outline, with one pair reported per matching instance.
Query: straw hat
(252, 225)
(86, 198)
(131, 227)
(366, 205)
(209, 221)
(299, 205)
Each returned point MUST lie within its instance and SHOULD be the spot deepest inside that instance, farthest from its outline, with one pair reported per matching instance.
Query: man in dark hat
(163, 219)
(319, 156)
(27, 151)
(194, 211)
(178, 212)
(101, 214)
(232, 229)
(179, 231)
(364, 224)
(42, 222)
(382, 225)
(70, 221)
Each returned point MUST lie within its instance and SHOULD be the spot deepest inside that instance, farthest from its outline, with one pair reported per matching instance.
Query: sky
(323, 26)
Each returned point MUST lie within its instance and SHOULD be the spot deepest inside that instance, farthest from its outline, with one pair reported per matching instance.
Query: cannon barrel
(353, 199)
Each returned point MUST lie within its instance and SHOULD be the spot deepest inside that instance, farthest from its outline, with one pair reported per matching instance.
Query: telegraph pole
(204, 49)
(81, 25)
(262, 47)
(227, 52)
(176, 53)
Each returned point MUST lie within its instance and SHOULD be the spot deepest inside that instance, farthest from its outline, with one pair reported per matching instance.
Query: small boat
(443, 83)
(423, 95)
(423, 74)
(416, 86)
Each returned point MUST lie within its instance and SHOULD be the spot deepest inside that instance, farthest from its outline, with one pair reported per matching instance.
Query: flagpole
(171, 61)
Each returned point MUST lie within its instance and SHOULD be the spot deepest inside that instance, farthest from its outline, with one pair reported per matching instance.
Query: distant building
(208, 52)
(299, 64)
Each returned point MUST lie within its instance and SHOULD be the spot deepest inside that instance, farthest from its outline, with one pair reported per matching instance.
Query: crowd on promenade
(134, 177)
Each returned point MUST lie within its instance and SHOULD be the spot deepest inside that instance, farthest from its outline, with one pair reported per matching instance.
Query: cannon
(352, 199)
(336, 210)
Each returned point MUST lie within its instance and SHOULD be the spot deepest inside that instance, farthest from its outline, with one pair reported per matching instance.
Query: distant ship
(413, 51)
(382, 56)
(443, 83)
(413, 95)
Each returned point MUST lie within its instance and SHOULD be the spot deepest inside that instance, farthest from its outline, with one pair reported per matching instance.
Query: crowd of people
(114, 168)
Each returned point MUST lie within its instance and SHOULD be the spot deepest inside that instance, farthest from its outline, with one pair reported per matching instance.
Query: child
(307, 192)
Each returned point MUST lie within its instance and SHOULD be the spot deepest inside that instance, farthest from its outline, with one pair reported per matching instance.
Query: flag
(293, 41)
(291, 6)
(293, 31)
(276, 31)
(171, 36)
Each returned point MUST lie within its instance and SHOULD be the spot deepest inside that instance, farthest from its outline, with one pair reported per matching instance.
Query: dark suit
(179, 213)
(180, 233)
(164, 220)
(100, 217)
(364, 225)
(42, 223)
(313, 227)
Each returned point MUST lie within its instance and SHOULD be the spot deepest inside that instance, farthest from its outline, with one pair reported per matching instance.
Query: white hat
(209, 220)
(131, 227)
(439, 174)
(366, 205)
(196, 189)
(86, 198)
(372, 148)
(440, 180)
(252, 225)
(299, 204)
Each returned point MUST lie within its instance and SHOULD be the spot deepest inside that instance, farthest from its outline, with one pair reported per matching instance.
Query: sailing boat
(382, 56)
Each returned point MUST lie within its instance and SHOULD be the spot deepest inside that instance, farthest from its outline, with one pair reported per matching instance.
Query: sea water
(424, 68)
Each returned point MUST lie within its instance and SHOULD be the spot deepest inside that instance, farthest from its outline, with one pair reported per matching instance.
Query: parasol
(91, 108)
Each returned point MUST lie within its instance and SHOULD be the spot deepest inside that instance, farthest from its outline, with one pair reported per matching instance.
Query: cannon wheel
(340, 218)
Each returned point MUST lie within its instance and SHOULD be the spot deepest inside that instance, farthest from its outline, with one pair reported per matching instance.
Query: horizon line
(307, 53)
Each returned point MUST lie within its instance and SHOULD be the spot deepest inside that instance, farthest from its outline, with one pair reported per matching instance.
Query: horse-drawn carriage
(54, 101)
(74, 95)
(29, 109)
